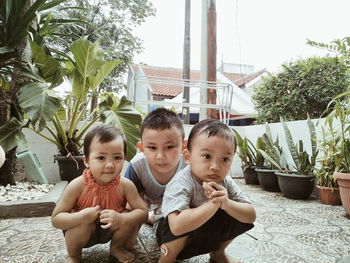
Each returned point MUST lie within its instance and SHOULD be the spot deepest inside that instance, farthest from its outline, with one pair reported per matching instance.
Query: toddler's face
(162, 149)
(105, 160)
(210, 157)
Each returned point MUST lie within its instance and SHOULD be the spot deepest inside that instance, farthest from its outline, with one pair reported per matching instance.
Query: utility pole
(211, 93)
(204, 60)
(186, 62)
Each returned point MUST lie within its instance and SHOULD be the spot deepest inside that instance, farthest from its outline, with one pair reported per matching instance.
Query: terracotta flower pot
(329, 195)
(344, 188)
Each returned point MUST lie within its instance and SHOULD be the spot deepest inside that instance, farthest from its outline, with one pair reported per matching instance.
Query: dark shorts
(99, 236)
(219, 228)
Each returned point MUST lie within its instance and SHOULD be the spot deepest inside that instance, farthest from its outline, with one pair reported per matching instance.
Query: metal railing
(142, 90)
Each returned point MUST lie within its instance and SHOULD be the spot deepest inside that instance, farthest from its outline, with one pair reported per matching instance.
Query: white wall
(46, 150)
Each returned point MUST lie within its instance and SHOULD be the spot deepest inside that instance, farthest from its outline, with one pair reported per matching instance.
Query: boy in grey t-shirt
(203, 209)
(160, 157)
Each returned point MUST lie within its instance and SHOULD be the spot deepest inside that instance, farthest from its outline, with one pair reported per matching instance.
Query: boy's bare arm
(243, 212)
(62, 217)
(192, 218)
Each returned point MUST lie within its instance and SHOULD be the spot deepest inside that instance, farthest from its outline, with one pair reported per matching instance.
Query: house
(164, 87)
(243, 76)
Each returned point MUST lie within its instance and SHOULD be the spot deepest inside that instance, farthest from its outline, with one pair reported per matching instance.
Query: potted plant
(274, 159)
(250, 157)
(299, 183)
(341, 112)
(65, 122)
(328, 160)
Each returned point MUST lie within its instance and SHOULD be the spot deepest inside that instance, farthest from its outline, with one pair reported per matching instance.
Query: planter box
(29, 208)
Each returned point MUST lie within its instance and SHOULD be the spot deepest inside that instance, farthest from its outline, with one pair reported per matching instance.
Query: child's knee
(171, 249)
(81, 230)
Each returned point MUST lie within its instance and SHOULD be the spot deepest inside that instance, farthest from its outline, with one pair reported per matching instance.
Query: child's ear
(186, 156)
(86, 161)
(140, 146)
(184, 144)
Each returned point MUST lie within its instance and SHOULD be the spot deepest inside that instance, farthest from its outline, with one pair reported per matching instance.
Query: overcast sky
(261, 33)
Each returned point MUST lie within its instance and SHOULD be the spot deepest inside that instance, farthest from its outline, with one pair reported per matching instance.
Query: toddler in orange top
(92, 208)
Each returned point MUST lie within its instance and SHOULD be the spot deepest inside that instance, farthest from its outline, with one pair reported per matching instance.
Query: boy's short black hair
(104, 133)
(211, 127)
(161, 119)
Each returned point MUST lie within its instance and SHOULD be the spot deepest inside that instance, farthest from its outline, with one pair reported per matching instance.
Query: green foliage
(111, 22)
(330, 157)
(67, 120)
(248, 152)
(341, 114)
(304, 163)
(341, 47)
(272, 153)
(303, 87)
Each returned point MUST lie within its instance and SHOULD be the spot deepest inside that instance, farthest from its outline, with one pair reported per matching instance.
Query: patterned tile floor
(285, 231)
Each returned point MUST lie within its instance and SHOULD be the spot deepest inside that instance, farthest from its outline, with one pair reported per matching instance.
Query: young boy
(203, 209)
(92, 208)
(161, 145)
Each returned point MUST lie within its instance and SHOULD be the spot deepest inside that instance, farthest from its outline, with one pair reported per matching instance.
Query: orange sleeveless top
(106, 196)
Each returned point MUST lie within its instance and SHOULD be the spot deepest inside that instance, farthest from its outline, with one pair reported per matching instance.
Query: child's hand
(219, 195)
(90, 214)
(110, 219)
(208, 189)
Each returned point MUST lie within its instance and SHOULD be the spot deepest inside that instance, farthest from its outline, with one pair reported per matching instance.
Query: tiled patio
(285, 231)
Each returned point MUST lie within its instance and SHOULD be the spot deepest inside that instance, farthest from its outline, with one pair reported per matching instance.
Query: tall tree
(113, 23)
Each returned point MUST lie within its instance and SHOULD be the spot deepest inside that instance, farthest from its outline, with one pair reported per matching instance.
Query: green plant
(341, 114)
(303, 87)
(273, 154)
(18, 20)
(330, 155)
(304, 163)
(67, 121)
(248, 152)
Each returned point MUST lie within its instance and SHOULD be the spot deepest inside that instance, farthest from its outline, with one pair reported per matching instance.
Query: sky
(265, 34)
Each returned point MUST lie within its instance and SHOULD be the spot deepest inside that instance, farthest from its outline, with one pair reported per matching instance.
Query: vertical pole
(212, 113)
(186, 61)
(204, 60)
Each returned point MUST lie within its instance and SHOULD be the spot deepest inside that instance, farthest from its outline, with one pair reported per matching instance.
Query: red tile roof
(172, 73)
(170, 91)
(242, 79)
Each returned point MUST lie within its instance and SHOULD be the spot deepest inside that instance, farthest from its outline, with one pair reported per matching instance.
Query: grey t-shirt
(184, 191)
(141, 175)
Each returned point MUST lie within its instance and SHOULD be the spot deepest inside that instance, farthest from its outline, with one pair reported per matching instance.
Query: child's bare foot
(122, 254)
(73, 259)
(222, 257)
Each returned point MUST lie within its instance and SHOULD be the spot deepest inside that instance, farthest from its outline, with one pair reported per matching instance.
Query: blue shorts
(219, 228)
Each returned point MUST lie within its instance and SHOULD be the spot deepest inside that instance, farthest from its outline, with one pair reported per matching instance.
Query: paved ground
(285, 231)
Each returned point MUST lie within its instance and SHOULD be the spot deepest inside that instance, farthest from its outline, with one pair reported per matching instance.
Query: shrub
(303, 87)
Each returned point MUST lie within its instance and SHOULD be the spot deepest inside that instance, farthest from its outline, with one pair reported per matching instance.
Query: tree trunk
(8, 109)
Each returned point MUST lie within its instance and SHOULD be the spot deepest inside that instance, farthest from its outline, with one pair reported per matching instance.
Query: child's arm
(243, 212)
(192, 218)
(62, 218)
(135, 217)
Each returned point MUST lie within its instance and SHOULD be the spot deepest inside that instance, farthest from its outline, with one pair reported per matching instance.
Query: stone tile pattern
(285, 231)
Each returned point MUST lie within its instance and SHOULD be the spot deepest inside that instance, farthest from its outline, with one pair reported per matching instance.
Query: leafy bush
(303, 87)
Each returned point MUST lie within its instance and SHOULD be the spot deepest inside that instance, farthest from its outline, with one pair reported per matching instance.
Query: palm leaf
(39, 102)
(126, 118)
(11, 134)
